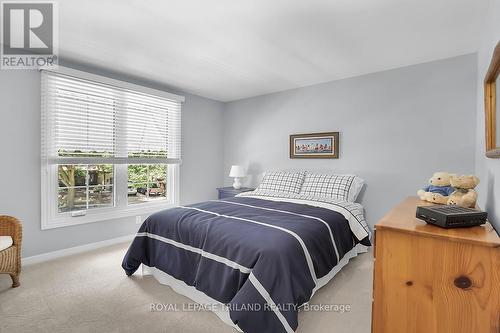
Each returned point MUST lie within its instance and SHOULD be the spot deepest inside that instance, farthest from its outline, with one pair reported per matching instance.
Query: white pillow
(5, 242)
(282, 181)
(342, 187)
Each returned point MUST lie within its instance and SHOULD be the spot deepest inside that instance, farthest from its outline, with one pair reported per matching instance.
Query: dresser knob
(409, 283)
(462, 282)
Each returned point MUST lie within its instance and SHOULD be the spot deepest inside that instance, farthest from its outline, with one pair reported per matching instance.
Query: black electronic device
(449, 216)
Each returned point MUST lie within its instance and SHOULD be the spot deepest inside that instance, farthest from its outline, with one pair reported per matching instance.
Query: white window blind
(94, 121)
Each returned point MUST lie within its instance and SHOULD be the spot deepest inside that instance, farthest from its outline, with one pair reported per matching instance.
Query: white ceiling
(232, 49)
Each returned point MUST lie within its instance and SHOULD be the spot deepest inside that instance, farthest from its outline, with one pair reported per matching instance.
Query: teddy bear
(464, 194)
(439, 188)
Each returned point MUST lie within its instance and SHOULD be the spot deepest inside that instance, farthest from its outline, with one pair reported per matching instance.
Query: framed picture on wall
(314, 145)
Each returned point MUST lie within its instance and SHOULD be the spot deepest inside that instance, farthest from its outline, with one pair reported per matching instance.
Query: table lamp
(237, 172)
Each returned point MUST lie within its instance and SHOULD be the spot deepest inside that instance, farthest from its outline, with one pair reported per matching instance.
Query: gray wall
(20, 168)
(487, 169)
(396, 128)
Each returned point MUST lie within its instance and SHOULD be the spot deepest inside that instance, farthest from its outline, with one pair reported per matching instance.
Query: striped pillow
(341, 187)
(282, 181)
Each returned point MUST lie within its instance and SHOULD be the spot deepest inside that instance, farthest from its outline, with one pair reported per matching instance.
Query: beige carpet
(90, 293)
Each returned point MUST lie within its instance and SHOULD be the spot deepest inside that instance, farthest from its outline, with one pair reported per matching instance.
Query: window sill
(105, 215)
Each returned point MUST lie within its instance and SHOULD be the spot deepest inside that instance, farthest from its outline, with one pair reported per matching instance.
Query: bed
(253, 259)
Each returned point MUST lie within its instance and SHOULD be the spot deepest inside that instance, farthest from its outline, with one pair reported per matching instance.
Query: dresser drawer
(432, 280)
(229, 192)
(425, 284)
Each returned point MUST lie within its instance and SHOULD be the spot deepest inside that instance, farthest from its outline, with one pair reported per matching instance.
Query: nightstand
(229, 192)
(434, 280)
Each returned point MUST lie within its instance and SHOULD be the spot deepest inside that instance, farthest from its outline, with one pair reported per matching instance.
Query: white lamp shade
(237, 171)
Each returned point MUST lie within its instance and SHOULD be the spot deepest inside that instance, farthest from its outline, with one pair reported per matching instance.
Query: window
(109, 148)
(146, 182)
(83, 187)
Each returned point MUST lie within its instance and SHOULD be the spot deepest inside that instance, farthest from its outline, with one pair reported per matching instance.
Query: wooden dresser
(433, 280)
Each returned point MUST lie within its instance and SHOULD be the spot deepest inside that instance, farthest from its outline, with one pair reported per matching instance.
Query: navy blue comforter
(245, 252)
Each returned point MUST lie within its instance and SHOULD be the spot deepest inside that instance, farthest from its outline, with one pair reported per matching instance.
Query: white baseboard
(74, 250)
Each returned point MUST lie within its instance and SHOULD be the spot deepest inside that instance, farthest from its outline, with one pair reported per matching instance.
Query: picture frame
(315, 145)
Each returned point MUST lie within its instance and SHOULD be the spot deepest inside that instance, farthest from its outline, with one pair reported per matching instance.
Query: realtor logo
(29, 35)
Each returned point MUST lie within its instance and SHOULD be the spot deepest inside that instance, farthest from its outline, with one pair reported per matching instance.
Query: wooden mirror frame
(492, 151)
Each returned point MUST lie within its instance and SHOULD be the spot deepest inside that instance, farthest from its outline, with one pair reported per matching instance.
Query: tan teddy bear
(464, 194)
(438, 190)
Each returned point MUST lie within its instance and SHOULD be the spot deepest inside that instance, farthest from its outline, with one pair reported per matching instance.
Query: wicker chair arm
(10, 226)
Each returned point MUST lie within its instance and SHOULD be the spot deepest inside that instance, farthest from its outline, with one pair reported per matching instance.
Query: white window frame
(51, 218)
